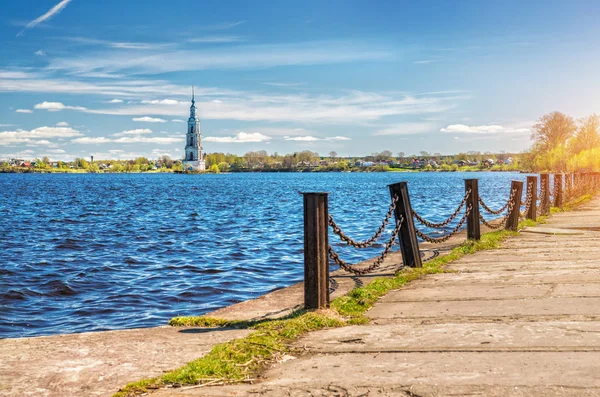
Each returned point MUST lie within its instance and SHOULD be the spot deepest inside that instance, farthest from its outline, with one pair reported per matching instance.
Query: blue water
(89, 252)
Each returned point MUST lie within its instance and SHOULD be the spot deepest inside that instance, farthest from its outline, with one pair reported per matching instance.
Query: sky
(113, 78)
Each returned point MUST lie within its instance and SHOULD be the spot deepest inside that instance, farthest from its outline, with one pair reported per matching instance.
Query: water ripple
(95, 252)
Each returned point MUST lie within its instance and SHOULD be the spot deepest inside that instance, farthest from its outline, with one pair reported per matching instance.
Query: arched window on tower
(192, 141)
(192, 130)
(191, 156)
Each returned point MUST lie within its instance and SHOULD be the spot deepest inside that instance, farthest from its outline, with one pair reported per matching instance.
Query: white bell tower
(194, 158)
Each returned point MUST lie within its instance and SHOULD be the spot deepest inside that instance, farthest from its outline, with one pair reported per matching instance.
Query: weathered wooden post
(409, 245)
(532, 211)
(545, 189)
(512, 222)
(558, 190)
(568, 184)
(473, 226)
(316, 240)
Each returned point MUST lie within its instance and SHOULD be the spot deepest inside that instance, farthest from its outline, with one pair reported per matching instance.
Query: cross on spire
(193, 95)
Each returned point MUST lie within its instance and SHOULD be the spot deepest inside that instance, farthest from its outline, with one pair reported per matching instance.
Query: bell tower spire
(194, 158)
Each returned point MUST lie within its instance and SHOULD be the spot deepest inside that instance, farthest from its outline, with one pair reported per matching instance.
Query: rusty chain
(529, 199)
(438, 240)
(447, 221)
(367, 243)
(375, 265)
(501, 221)
(491, 211)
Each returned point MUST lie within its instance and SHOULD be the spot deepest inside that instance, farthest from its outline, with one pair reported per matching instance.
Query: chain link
(367, 243)
(529, 199)
(491, 211)
(438, 240)
(447, 221)
(502, 221)
(375, 265)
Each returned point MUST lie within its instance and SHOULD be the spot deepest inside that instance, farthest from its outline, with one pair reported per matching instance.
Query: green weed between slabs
(241, 359)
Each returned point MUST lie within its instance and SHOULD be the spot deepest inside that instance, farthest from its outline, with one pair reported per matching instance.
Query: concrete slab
(511, 308)
(570, 369)
(487, 336)
(546, 276)
(475, 291)
(553, 231)
(99, 363)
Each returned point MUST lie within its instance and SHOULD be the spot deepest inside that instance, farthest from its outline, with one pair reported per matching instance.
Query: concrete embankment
(523, 320)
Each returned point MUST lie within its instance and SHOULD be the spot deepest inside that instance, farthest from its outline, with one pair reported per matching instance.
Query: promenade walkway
(520, 320)
(523, 320)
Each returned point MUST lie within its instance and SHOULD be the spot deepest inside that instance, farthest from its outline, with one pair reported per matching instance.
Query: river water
(90, 252)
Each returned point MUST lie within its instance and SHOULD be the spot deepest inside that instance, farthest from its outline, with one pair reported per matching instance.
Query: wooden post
(473, 227)
(512, 222)
(545, 187)
(409, 245)
(316, 240)
(532, 212)
(558, 190)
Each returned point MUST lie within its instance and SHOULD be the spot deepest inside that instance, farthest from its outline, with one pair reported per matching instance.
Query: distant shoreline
(274, 171)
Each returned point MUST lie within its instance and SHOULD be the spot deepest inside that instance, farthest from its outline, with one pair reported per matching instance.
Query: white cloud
(24, 111)
(310, 138)
(147, 119)
(178, 121)
(163, 102)
(482, 129)
(116, 101)
(144, 139)
(350, 108)
(134, 132)
(406, 129)
(53, 11)
(8, 74)
(92, 140)
(56, 106)
(36, 136)
(40, 53)
(241, 137)
(56, 151)
(307, 138)
(129, 139)
(62, 124)
(338, 138)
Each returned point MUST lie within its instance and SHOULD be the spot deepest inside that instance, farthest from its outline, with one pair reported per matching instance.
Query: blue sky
(112, 78)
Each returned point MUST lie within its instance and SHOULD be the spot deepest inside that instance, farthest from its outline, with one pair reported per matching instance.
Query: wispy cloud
(40, 53)
(134, 132)
(310, 138)
(24, 111)
(241, 137)
(238, 57)
(62, 124)
(53, 11)
(223, 26)
(482, 129)
(129, 139)
(407, 129)
(215, 39)
(426, 61)
(284, 84)
(147, 119)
